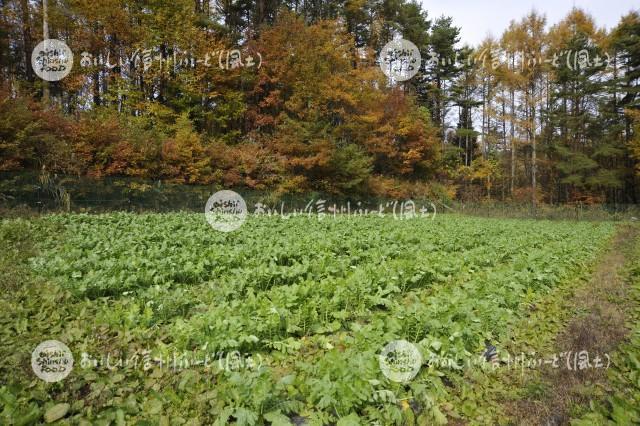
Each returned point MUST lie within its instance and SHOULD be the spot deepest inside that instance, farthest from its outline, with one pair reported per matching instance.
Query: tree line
(288, 96)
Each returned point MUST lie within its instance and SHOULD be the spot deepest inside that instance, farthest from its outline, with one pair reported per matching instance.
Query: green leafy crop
(314, 300)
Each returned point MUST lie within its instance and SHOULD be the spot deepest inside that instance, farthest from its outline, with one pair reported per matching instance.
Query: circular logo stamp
(400, 361)
(52, 361)
(225, 211)
(52, 59)
(400, 59)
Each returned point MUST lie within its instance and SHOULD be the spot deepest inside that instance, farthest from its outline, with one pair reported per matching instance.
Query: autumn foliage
(479, 123)
(321, 117)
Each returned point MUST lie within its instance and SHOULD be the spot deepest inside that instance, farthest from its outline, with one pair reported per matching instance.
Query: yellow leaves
(184, 157)
(355, 6)
(371, 117)
(577, 20)
(409, 160)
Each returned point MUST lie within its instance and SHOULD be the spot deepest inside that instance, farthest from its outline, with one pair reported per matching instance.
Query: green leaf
(56, 412)
(350, 420)
(277, 418)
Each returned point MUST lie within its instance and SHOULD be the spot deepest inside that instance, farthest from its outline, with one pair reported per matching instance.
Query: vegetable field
(280, 322)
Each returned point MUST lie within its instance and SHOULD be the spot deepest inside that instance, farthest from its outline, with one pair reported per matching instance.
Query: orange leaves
(317, 115)
(403, 140)
(305, 73)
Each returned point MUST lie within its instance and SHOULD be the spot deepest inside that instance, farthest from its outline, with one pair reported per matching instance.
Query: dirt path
(598, 329)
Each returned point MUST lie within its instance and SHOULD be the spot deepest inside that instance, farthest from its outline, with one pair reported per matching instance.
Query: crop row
(316, 299)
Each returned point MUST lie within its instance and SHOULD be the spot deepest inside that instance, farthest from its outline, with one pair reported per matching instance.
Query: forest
(288, 97)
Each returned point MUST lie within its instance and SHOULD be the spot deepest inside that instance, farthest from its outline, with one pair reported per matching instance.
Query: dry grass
(598, 329)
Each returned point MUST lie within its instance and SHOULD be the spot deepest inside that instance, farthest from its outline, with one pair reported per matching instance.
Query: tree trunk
(26, 39)
(533, 149)
(45, 35)
(513, 142)
(533, 167)
(466, 150)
